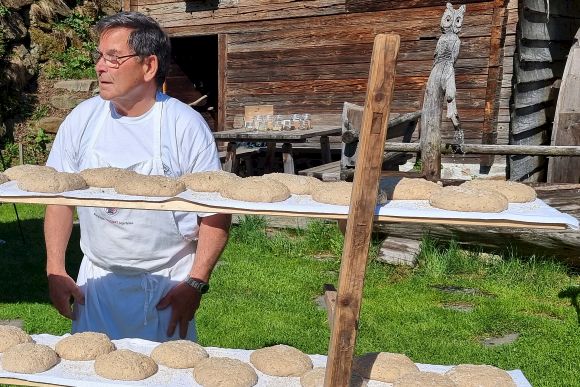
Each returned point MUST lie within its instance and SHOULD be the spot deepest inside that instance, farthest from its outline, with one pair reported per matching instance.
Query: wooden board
(566, 129)
(177, 204)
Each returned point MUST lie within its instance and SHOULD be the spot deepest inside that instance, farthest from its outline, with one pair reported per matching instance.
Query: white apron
(132, 258)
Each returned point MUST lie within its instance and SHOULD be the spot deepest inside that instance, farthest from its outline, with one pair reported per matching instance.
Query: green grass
(265, 286)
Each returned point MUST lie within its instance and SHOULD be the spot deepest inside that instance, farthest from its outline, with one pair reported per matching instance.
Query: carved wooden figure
(441, 84)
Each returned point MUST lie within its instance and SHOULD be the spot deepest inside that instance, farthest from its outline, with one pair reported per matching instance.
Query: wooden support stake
(362, 206)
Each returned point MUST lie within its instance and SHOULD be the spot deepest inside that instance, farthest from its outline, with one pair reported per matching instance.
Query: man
(143, 272)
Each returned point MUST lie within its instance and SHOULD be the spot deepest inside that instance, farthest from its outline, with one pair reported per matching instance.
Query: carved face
(452, 19)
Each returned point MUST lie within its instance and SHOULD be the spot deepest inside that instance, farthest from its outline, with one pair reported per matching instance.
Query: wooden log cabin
(311, 56)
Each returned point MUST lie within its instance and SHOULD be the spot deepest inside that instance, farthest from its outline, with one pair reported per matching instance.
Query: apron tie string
(149, 284)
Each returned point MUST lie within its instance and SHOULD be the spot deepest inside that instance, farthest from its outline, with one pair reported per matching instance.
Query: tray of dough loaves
(91, 359)
(475, 202)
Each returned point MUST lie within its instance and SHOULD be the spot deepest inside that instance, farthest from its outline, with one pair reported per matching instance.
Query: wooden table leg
(325, 149)
(230, 161)
(269, 161)
(287, 158)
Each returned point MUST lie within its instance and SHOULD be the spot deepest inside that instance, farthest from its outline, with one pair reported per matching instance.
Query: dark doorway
(194, 74)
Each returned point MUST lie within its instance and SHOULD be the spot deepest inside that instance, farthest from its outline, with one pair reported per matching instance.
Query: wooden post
(362, 207)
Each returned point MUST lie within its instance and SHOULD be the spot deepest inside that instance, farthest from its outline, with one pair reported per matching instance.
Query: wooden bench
(325, 172)
(231, 157)
(401, 128)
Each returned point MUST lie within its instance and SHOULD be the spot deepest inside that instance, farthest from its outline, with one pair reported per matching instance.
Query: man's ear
(462, 8)
(450, 6)
(150, 66)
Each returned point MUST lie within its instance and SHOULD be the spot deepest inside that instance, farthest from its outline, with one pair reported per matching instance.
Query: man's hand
(184, 301)
(61, 288)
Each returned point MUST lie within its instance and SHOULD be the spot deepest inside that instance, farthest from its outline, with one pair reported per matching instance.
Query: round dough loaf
(149, 185)
(11, 336)
(468, 200)
(383, 366)
(414, 189)
(336, 192)
(424, 379)
(3, 178)
(298, 185)
(51, 182)
(179, 354)
(470, 375)
(124, 364)
(515, 192)
(209, 181)
(105, 177)
(29, 358)
(281, 360)
(256, 189)
(84, 346)
(224, 372)
(315, 378)
(19, 171)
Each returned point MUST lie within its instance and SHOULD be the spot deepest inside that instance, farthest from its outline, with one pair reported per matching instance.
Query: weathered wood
(330, 301)
(493, 149)
(489, 134)
(440, 85)
(379, 5)
(543, 52)
(555, 8)
(222, 91)
(556, 29)
(399, 251)
(564, 245)
(175, 13)
(566, 130)
(358, 229)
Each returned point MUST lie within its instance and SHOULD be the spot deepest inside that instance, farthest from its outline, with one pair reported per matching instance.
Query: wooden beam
(330, 301)
(363, 200)
(489, 134)
(493, 149)
(222, 81)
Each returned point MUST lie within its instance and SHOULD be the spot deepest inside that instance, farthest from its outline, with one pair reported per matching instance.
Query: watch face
(200, 286)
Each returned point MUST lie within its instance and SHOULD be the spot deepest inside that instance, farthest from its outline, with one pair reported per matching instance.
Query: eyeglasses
(111, 61)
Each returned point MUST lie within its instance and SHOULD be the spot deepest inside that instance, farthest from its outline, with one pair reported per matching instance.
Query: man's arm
(183, 299)
(58, 221)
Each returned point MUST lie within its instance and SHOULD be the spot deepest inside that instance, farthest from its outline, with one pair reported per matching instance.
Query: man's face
(125, 83)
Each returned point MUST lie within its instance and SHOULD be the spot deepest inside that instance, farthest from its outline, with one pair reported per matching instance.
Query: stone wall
(31, 38)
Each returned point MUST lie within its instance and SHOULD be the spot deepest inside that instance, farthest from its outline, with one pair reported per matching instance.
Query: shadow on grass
(572, 293)
(23, 274)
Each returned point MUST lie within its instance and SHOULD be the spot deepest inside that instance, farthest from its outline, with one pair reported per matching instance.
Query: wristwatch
(199, 285)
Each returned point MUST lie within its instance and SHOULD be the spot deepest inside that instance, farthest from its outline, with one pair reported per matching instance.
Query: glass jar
(306, 121)
(295, 121)
(269, 119)
(260, 123)
(278, 123)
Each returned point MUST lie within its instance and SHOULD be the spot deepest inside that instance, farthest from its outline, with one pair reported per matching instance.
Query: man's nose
(100, 66)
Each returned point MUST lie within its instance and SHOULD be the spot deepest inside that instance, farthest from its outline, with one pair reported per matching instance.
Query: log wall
(311, 56)
(544, 33)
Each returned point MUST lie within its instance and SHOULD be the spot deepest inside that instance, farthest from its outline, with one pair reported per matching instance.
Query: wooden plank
(363, 200)
(181, 12)
(330, 301)
(548, 51)
(313, 31)
(493, 80)
(566, 129)
(556, 29)
(222, 83)
(563, 245)
(554, 8)
(380, 5)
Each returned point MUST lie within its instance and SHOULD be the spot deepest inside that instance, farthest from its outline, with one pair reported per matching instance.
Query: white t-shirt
(187, 144)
